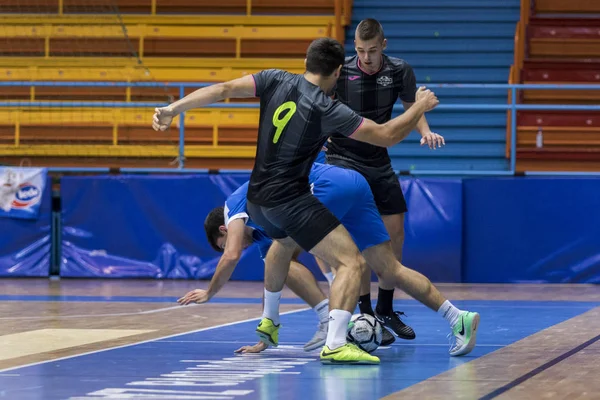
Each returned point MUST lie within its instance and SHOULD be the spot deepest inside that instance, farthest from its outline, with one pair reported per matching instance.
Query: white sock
(338, 327)
(329, 276)
(322, 310)
(449, 313)
(271, 310)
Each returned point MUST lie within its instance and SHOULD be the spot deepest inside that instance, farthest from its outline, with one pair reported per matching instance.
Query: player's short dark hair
(324, 56)
(369, 29)
(213, 221)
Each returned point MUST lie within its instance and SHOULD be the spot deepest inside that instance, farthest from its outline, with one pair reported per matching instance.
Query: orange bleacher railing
(519, 55)
(343, 14)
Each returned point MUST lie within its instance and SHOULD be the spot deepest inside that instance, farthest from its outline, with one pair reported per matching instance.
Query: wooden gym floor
(129, 339)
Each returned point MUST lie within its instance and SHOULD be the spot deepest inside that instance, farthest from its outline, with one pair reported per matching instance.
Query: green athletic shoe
(268, 332)
(464, 334)
(347, 354)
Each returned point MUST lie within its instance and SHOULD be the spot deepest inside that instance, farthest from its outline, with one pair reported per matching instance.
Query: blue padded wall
(141, 226)
(152, 227)
(532, 230)
(488, 230)
(25, 244)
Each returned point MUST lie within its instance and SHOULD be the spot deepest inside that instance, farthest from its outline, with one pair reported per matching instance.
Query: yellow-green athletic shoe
(347, 354)
(268, 332)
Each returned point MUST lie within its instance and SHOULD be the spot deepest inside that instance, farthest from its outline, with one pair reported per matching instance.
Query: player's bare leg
(464, 324)
(303, 283)
(326, 269)
(337, 248)
(394, 224)
(364, 304)
(277, 265)
(384, 311)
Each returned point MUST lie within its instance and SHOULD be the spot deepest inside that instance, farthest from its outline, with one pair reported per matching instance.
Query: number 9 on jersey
(280, 122)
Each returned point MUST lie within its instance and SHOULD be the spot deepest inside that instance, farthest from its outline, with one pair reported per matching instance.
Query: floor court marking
(38, 341)
(101, 315)
(216, 334)
(144, 341)
(539, 370)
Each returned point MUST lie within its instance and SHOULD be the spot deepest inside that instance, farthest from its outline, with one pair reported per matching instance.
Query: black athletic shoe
(395, 324)
(386, 337)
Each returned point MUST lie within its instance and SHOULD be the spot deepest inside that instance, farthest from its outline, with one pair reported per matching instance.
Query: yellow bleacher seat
(55, 44)
(103, 132)
(48, 38)
(170, 6)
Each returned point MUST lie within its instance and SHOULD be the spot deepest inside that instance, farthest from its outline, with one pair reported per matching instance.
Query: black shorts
(305, 219)
(383, 182)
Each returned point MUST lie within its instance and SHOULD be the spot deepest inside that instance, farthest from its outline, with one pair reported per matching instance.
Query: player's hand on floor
(257, 348)
(433, 140)
(428, 97)
(198, 296)
(162, 118)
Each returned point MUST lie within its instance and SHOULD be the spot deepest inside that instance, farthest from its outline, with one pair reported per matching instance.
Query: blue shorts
(348, 196)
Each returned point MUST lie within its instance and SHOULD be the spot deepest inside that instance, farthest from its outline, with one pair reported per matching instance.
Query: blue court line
(170, 368)
(257, 300)
(135, 299)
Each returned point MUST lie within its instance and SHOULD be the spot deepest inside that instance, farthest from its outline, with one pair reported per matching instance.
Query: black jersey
(372, 96)
(296, 118)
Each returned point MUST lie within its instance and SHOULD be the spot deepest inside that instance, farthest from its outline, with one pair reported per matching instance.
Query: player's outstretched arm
(397, 129)
(429, 138)
(229, 260)
(237, 88)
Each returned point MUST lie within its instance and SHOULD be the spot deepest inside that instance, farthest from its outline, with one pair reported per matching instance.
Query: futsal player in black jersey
(370, 83)
(297, 116)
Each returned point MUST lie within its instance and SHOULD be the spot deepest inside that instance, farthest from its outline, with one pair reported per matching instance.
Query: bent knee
(356, 263)
(391, 271)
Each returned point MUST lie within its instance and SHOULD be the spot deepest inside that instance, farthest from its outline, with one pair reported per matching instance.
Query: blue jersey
(320, 158)
(235, 208)
(343, 191)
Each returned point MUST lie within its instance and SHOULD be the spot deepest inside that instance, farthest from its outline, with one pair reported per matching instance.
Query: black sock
(385, 301)
(364, 304)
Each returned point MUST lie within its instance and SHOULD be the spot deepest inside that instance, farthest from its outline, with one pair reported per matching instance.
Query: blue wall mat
(25, 245)
(433, 227)
(139, 226)
(532, 230)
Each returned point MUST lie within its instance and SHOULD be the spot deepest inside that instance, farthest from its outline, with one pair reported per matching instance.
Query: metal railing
(511, 107)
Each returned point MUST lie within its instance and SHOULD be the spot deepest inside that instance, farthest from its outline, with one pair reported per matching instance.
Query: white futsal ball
(365, 332)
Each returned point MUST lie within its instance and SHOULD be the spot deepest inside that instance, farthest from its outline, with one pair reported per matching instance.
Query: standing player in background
(370, 82)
